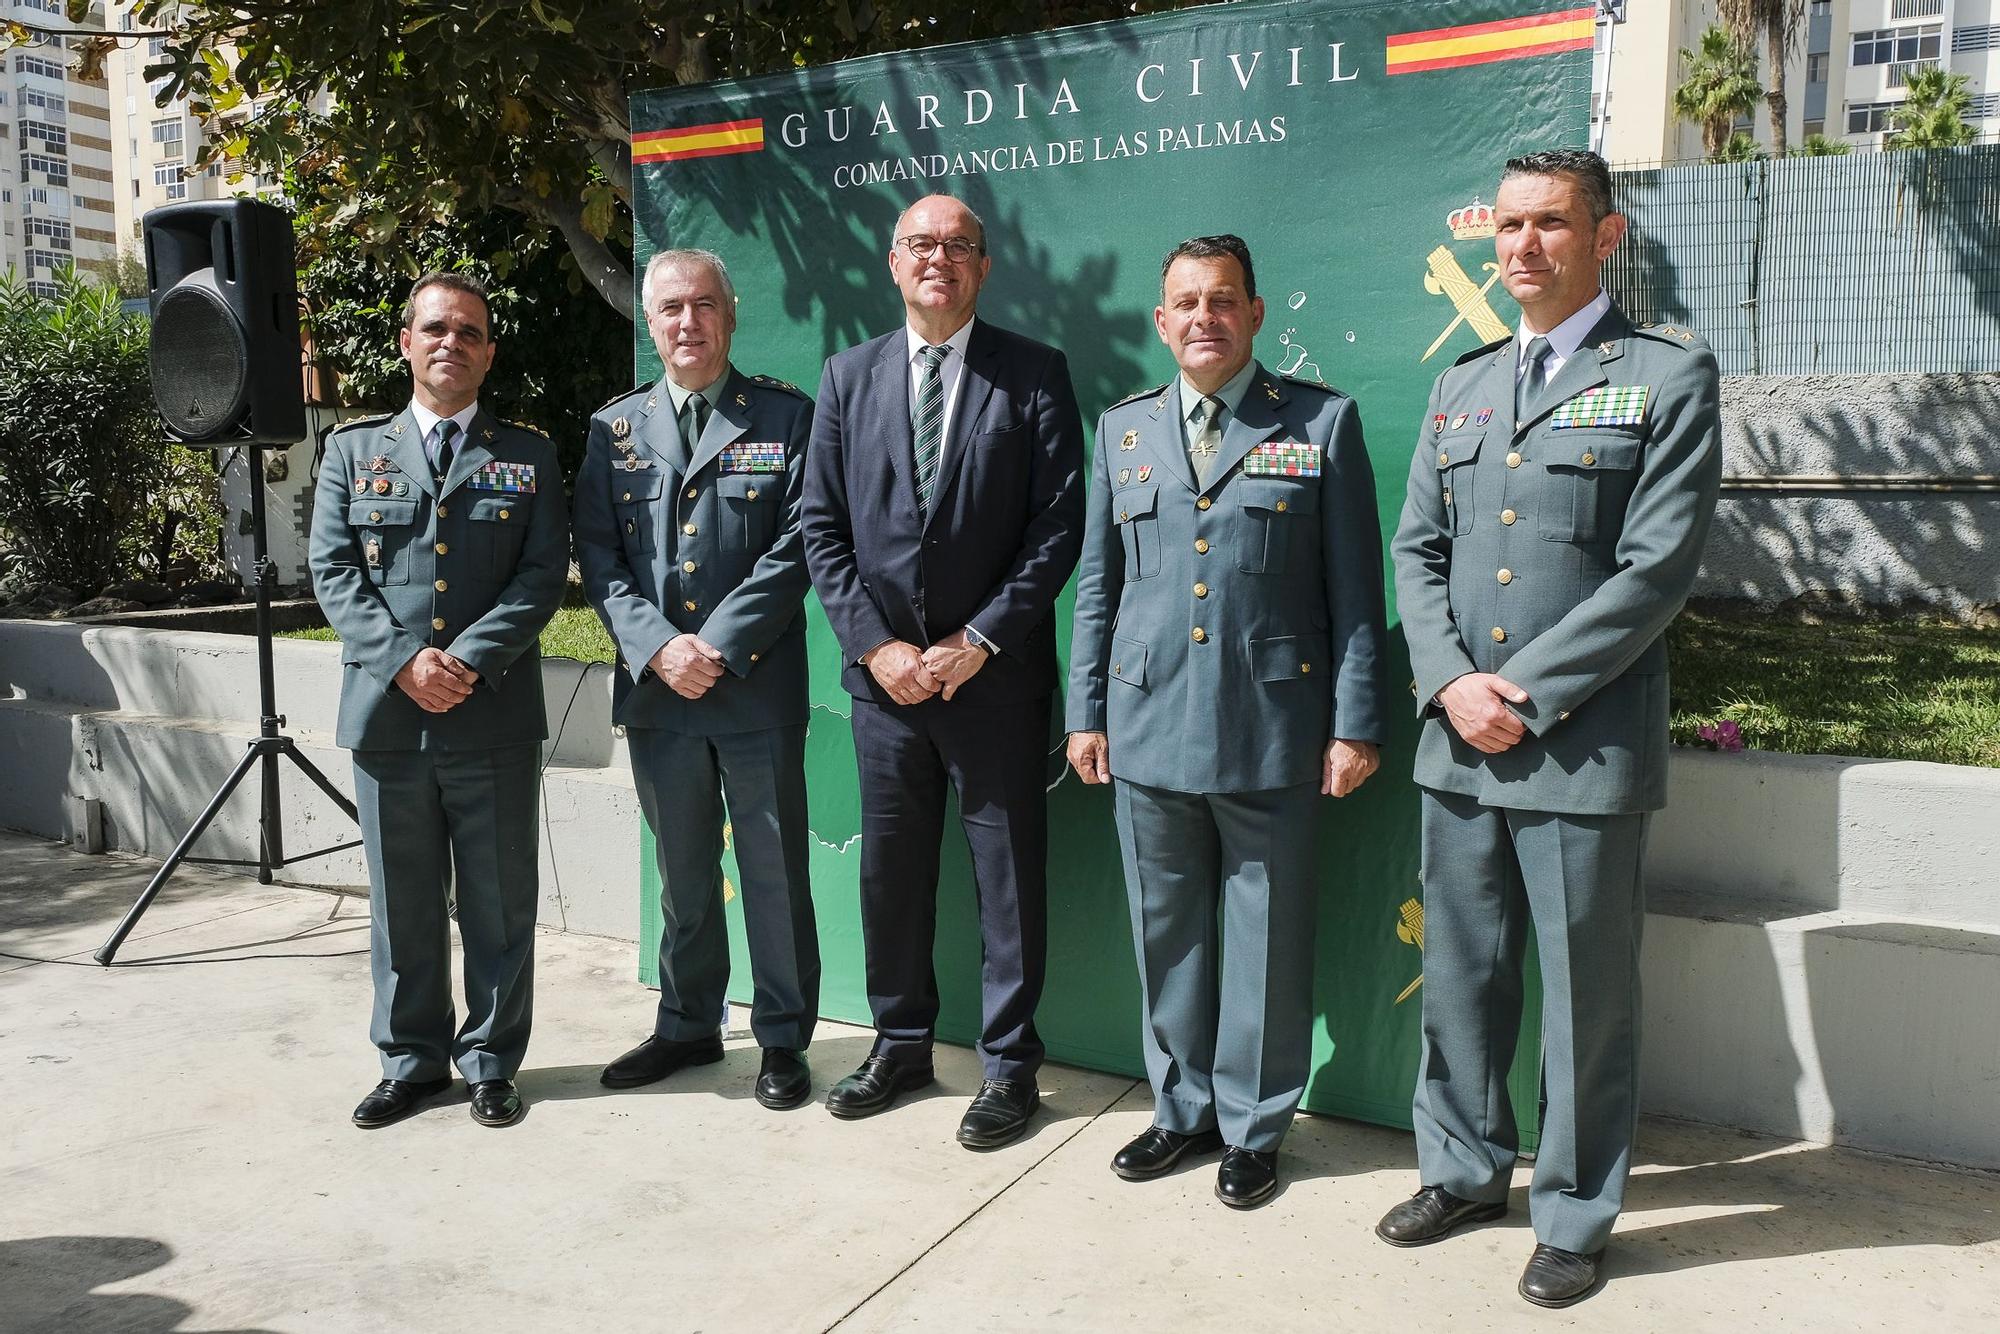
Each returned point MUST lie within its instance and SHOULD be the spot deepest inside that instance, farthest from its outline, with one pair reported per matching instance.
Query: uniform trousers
(683, 782)
(432, 819)
(1489, 873)
(1224, 902)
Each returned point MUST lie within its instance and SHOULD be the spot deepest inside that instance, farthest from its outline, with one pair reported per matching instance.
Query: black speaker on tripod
(222, 277)
(222, 283)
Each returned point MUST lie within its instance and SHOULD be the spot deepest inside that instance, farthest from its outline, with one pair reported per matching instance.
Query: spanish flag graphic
(723, 136)
(1484, 43)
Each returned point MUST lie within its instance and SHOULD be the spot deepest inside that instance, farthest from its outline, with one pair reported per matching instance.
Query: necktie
(447, 436)
(928, 425)
(1534, 377)
(1207, 437)
(694, 417)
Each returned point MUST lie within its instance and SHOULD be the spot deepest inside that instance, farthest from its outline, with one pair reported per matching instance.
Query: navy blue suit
(1004, 531)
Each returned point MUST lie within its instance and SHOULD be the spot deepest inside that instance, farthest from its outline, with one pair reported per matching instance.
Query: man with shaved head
(943, 514)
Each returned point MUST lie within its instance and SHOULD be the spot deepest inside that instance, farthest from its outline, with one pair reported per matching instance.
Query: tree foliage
(1818, 145)
(91, 489)
(1933, 115)
(1739, 147)
(1719, 86)
(417, 111)
(1778, 23)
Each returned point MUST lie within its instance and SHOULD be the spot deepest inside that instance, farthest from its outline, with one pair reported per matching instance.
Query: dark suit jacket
(1006, 520)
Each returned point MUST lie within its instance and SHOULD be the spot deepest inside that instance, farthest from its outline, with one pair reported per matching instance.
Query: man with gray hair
(687, 529)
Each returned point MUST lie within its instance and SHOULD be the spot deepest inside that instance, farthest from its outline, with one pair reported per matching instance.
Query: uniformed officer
(1225, 672)
(439, 551)
(1558, 502)
(687, 528)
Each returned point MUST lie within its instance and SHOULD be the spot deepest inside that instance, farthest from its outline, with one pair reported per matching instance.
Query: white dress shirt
(1564, 339)
(951, 372)
(427, 422)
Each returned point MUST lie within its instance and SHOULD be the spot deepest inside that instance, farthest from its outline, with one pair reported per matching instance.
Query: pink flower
(1725, 735)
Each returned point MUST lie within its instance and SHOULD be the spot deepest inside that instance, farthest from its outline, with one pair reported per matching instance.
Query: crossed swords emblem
(1447, 279)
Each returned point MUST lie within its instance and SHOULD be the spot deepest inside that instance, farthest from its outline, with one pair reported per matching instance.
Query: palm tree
(1739, 147)
(1778, 23)
(1933, 116)
(1721, 85)
(1818, 145)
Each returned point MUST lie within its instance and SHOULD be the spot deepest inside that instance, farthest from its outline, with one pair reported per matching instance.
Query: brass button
(1563, 717)
(1506, 576)
(1447, 495)
(754, 657)
(374, 516)
(1200, 635)
(627, 496)
(1304, 668)
(442, 549)
(1514, 459)
(691, 493)
(506, 514)
(1201, 590)
(440, 586)
(688, 566)
(1508, 516)
(442, 511)
(689, 604)
(1201, 546)
(1443, 458)
(631, 526)
(751, 494)
(1499, 635)
(1203, 503)
(1124, 516)
(689, 529)
(1281, 507)
(1117, 667)
(437, 623)
(1588, 458)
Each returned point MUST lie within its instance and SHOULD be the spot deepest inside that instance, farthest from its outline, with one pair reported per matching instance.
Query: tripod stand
(265, 750)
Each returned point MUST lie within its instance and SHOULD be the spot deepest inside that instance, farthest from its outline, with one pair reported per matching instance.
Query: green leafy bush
(91, 489)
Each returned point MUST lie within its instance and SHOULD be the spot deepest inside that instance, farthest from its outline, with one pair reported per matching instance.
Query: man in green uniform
(439, 550)
(1561, 493)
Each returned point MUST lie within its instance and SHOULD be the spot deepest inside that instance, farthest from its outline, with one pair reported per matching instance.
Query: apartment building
(1849, 71)
(56, 184)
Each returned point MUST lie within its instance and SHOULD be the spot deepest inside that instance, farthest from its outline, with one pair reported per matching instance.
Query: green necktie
(1534, 378)
(927, 422)
(694, 417)
(447, 436)
(1207, 438)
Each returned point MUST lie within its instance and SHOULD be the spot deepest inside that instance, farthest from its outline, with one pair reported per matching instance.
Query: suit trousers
(431, 819)
(1224, 900)
(1489, 873)
(683, 782)
(995, 757)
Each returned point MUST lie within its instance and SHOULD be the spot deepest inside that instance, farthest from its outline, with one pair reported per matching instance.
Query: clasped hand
(1476, 703)
(437, 681)
(689, 665)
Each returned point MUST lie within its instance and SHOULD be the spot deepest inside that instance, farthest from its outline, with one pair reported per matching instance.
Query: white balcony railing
(1900, 71)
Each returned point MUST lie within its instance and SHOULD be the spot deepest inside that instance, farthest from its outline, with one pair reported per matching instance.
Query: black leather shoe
(1433, 1214)
(874, 1086)
(784, 1080)
(394, 1099)
(1154, 1153)
(1555, 1277)
(496, 1102)
(656, 1058)
(999, 1113)
(1246, 1178)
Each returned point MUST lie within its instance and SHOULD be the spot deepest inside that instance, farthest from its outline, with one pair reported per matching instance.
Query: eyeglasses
(956, 248)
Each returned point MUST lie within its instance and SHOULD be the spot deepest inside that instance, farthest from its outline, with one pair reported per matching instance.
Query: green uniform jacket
(1554, 553)
(714, 551)
(1223, 635)
(476, 570)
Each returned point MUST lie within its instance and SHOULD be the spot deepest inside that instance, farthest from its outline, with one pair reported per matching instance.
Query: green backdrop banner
(1351, 144)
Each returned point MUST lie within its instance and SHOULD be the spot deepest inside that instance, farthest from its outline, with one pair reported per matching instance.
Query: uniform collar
(680, 393)
(427, 420)
(1231, 392)
(1568, 336)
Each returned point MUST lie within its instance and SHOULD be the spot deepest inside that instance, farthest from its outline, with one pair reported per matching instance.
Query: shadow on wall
(51, 1283)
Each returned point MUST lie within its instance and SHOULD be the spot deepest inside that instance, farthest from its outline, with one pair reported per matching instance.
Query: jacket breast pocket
(387, 530)
(1587, 481)
(496, 526)
(1455, 460)
(1278, 518)
(1136, 509)
(1291, 658)
(1128, 661)
(750, 505)
(633, 498)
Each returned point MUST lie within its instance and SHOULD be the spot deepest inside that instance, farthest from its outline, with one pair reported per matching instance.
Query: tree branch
(594, 259)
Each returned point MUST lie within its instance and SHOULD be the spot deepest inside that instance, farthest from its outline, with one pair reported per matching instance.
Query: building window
(49, 290)
(43, 259)
(1816, 66)
(1815, 127)
(48, 69)
(53, 137)
(54, 168)
(156, 47)
(167, 134)
(1869, 117)
(54, 105)
(173, 178)
(1897, 46)
(56, 233)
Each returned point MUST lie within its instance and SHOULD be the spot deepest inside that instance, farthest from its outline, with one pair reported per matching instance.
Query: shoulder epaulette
(1672, 333)
(621, 397)
(1143, 393)
(359, 422)
(528, 427)
(1309, 384)
(771, 382)
(1484, 350)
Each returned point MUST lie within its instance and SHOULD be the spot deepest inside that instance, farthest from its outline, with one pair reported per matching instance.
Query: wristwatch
(977, 640)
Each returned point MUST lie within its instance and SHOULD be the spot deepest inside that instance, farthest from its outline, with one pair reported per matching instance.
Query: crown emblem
(1473, 222)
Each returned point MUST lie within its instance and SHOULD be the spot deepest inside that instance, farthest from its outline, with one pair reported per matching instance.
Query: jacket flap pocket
(1289, 657)
(1128, 661)
(1134, 501)
(749, 485)
(499, 509)
(1279, 497)
(1592, 450)
(636, 486)
(375, 512)
(1453, 450)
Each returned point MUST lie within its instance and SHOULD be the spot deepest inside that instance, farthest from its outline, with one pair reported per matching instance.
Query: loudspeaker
(222, 283)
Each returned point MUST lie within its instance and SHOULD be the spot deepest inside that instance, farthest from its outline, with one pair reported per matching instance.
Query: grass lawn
(1899, 690)
(574, 633)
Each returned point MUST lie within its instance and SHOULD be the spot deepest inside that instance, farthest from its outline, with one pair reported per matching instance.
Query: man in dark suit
(687, 529)
(439, 550)
(943, 514)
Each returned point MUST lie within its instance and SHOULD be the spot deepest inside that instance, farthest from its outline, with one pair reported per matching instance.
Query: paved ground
(176, 1156)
